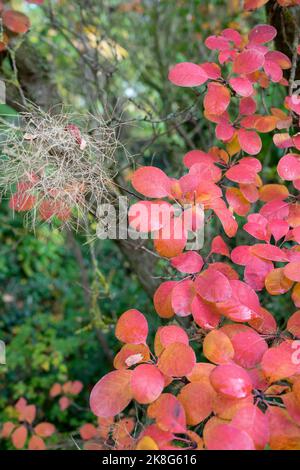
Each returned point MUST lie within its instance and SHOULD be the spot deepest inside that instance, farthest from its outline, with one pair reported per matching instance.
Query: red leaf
(15, 21)
(249, 141)
(247, 106)
(20, 202)
(168, 413)
(273, 70)
(231, 380)
(293, 324)
(283, 140)
(190, 262)
(292, 271)
(289, 167)
(167, 335)
(163, 299)
(213, 286)
(257, 226)
(147, 383)
(278, 228)
(205, 314)
(261, 34)
(131, 354)
(264, 324)
(241, 255)
(212, 70)
(19, 437)
(36, 443)
(237, 201)
(285, 434)
(228, 437)
(241, 173)
(256, 271)
(151, 182)
(171, 240)
(218, 348)
(270, 252)
(148, 216)
(278, 364)
(44, 429)
(226, 218)
(55, 390)
(7, 429)
(224, 131)
(196, 399)
(242, 86)
(217, 99)
(233, 36)
(217, 43)
(254, 4)
(76, 387)
(182, 296)
(248, 61)
(111, 394)
(249, 348)
(177, 360)
(197, 156)
(243, 305)
(88, 431)
(218, 246)
(279, 58)
(64, 403)
(253, 421)
(28, 413)
(132, 327)
(187, 74)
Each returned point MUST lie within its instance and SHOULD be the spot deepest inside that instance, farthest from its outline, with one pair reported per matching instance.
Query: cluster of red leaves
(109, 434)
(238, 390)
(27, 197)
(66, 392)
(19, 431)
(247, 395)
(14, 22)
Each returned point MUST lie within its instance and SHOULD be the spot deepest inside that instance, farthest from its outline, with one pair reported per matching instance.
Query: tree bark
(287, 23)
(35, 77)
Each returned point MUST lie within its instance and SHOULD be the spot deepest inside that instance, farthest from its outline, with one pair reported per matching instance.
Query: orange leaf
(16, 21)
(218, 348)
(36, 443)
(19, 437)
(147, 383)
(55, 390)
(132, 327)
(146, 443)
(111, 394)
(277, 283)
(163, 299)
(167, 335)
(177, 360)
(168, 413)
(131, 354)
(196, 399)
(44, 429)
(88, 431)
